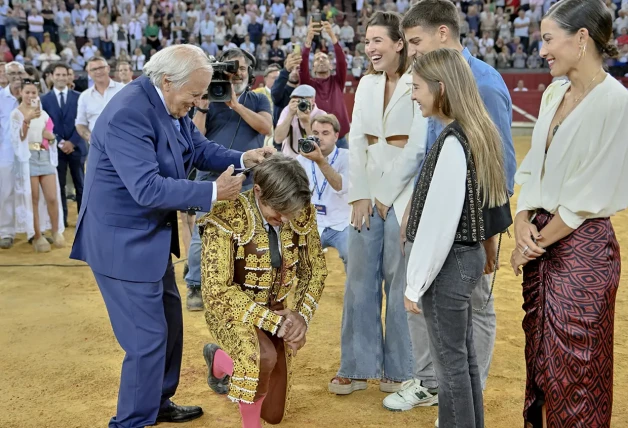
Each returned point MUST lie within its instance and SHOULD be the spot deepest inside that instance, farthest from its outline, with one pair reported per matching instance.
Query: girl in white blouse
(35, 150)
(386, 142)
(463, 176)
(572, 180)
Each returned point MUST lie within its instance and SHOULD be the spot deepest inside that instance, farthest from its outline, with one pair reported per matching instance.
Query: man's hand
(292, 62)
(295, 332)
(330, 32)
(233, 103)
(203, 103)
(295, 346)
(490, 248)
(229, 186)
(382, 209)
(293, 107)
(304, 117)
(67, 147)
(316, 155)
(314, 29)
(257, 156)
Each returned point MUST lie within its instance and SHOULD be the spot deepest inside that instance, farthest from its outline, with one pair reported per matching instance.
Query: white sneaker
(412, 394)
(436, 423)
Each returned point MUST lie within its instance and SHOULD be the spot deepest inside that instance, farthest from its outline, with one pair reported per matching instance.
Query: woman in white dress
(36, 159)
(386, 143)
(574, 178)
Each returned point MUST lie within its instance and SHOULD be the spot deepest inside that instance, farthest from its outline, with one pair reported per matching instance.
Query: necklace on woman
(562, 109)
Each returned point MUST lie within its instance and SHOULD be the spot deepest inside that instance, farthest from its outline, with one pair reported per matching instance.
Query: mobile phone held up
(297, 49)
(316, 17)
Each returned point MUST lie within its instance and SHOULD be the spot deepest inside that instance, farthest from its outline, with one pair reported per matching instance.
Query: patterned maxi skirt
(569, 302)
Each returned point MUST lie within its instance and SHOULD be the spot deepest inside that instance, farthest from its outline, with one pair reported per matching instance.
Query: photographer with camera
(239, 120)
(327, 168)
(296, 119)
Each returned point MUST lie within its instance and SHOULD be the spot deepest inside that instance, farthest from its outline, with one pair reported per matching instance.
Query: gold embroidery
(234, 310)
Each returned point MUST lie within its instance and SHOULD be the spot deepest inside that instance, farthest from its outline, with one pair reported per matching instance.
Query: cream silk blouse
(585, 172)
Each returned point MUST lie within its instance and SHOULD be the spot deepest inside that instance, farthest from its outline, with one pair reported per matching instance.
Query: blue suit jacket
(136, 182)
(64, 120)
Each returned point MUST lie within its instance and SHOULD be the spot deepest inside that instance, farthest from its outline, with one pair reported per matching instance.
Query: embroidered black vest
(471, 228)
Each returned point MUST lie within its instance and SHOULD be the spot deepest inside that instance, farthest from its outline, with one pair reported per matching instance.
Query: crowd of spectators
(503, 33)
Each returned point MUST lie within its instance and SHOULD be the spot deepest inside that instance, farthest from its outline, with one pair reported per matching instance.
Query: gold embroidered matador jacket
(239, 285)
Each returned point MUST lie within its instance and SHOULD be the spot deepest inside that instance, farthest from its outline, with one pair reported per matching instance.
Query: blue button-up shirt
(497, 101)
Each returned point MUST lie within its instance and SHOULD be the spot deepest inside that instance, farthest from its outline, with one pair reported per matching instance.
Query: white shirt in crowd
(8, 103)
(439, 219)
(336, 203)
(522, 31)
(91, 103)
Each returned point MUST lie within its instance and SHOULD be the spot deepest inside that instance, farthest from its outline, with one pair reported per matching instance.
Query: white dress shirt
(8, 103)
(336, 202)
(439, 219)
(585, 171)
(91, 103)
(58, 95)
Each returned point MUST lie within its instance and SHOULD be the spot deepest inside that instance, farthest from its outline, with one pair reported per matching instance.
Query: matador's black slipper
(219, 386)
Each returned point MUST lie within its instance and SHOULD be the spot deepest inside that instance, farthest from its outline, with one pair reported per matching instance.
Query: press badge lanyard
(324, 186)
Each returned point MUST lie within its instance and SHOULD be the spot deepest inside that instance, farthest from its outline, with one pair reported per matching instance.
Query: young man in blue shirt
(431, 25)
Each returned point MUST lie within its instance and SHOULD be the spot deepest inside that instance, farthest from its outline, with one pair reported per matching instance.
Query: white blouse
(439, 219)
(585, 172)
(382, 171)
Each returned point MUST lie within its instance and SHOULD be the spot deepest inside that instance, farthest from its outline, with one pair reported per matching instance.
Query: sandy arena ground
(60, 362)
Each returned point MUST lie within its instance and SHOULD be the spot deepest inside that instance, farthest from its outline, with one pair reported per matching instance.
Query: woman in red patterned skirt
(572, 180)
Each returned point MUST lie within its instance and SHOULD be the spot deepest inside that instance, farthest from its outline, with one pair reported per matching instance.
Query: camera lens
(217, 91)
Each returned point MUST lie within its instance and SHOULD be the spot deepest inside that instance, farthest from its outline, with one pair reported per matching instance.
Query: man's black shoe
(174, 413)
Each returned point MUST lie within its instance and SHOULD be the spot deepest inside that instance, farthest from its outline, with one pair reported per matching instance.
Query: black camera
(220, 88)
(304, 105)
(307, 145)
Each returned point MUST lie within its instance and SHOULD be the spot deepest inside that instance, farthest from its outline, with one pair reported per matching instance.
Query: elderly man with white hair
(8, 102)
(142, 148)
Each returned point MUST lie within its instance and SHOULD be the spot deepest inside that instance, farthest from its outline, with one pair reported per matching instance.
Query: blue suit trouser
(147, 321)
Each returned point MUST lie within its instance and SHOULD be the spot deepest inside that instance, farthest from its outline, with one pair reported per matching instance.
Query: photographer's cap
(304, 91)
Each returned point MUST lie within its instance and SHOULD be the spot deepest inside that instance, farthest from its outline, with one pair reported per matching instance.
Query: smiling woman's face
(380, 48)
(559, 48)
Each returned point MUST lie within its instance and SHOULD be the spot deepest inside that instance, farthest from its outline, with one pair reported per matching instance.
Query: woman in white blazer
(386, 142)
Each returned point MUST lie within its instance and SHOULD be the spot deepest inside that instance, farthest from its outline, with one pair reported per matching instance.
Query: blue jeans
(366, 353)
(338, 240)
(193, 277)
(448, 310)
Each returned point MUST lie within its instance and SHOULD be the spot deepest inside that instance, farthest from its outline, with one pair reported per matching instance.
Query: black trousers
(76, 162)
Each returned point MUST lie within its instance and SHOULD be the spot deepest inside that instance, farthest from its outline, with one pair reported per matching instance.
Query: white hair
(176, 63)
(13, 64)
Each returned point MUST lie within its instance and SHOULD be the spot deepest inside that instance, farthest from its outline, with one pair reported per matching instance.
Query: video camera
(220, 88)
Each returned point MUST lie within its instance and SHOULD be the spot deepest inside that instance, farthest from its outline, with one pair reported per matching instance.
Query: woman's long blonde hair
(460, 101)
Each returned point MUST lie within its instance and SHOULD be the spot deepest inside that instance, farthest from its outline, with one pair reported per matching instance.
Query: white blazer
(382, 171)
